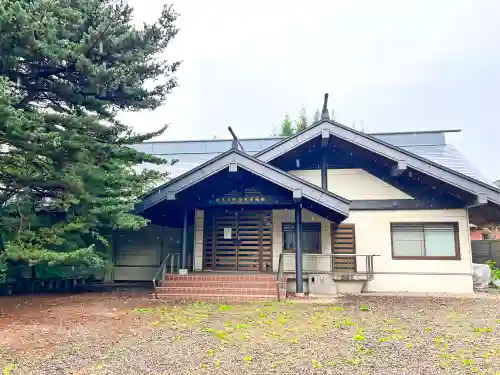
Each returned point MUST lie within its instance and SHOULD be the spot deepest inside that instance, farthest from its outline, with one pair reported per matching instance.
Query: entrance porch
(232, 202)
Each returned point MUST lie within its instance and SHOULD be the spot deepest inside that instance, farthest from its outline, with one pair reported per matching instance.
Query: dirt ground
(128, 333)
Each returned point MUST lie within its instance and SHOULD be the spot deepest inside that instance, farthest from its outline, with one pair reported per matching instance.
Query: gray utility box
(321, 284)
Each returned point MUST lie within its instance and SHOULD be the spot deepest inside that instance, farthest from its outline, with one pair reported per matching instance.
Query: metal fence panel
(486, 250)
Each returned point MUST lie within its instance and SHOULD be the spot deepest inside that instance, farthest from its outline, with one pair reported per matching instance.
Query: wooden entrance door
(238, 240)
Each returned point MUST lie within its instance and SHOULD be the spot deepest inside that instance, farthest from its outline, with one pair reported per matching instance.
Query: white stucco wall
(373, 236)
(309, 262)
(353, 184)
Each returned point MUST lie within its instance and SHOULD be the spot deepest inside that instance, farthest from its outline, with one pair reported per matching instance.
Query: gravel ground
(113, 333)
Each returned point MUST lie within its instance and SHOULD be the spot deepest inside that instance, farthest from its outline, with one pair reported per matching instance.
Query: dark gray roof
(312, 193)
(430, 145)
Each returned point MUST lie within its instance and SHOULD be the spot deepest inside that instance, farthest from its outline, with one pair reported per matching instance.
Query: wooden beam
(325, 137)
(297, 195)
(399, 168)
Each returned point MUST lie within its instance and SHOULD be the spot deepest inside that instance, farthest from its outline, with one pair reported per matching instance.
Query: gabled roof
(428, 144)
(326, 128)
(297, 186)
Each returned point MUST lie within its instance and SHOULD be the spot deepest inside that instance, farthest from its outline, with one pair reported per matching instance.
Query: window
(311, 237)
(425, 241)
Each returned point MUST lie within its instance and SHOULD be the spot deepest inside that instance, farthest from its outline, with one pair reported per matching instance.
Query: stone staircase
(220, 287)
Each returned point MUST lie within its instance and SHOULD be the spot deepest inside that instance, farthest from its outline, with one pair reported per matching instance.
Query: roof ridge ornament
(324, 112)
(236, 142)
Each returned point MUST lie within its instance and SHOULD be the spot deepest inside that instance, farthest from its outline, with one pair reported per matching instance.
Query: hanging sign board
(227, 233)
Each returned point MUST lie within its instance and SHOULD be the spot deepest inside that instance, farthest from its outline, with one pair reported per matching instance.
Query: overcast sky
(391, 65)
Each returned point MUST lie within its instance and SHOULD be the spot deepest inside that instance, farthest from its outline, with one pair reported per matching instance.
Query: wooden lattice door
(238, 240)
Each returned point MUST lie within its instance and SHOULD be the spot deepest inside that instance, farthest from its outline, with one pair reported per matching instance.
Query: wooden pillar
(183, 264)
(299, 286)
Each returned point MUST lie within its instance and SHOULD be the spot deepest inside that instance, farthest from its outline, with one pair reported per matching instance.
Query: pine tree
(286, 127)
(301, 122)
(317, 115)
(66, 172)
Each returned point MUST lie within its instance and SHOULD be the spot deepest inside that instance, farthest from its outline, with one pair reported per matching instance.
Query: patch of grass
(221, 335)
(352, 361)
(143, 310)
(482, 329)
(7, 370)
(363, 349)
(392, 330)
(360, 335)
(346, 322)
(390, 321)
(242, 326)
(336, 308)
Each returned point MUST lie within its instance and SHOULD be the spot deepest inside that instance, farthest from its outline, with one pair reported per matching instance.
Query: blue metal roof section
(427, 144)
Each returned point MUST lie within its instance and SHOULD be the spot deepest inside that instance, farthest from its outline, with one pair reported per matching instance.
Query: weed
(467, 362)
(316, 363)
(248, 358)
(360, 335)
(210, 353)
(428, 329)
(209, 330)
(199, 304)
(364, 308)
(100, 366)
(409, 345)
(224, 308)
(331, 363)
(383, 339)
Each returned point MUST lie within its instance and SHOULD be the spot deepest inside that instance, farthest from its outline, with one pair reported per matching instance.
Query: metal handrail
(279, 273)
(330, 268)
(162, 270)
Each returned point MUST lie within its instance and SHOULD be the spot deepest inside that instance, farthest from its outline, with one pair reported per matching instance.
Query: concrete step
(215, 297)
(221, 284)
